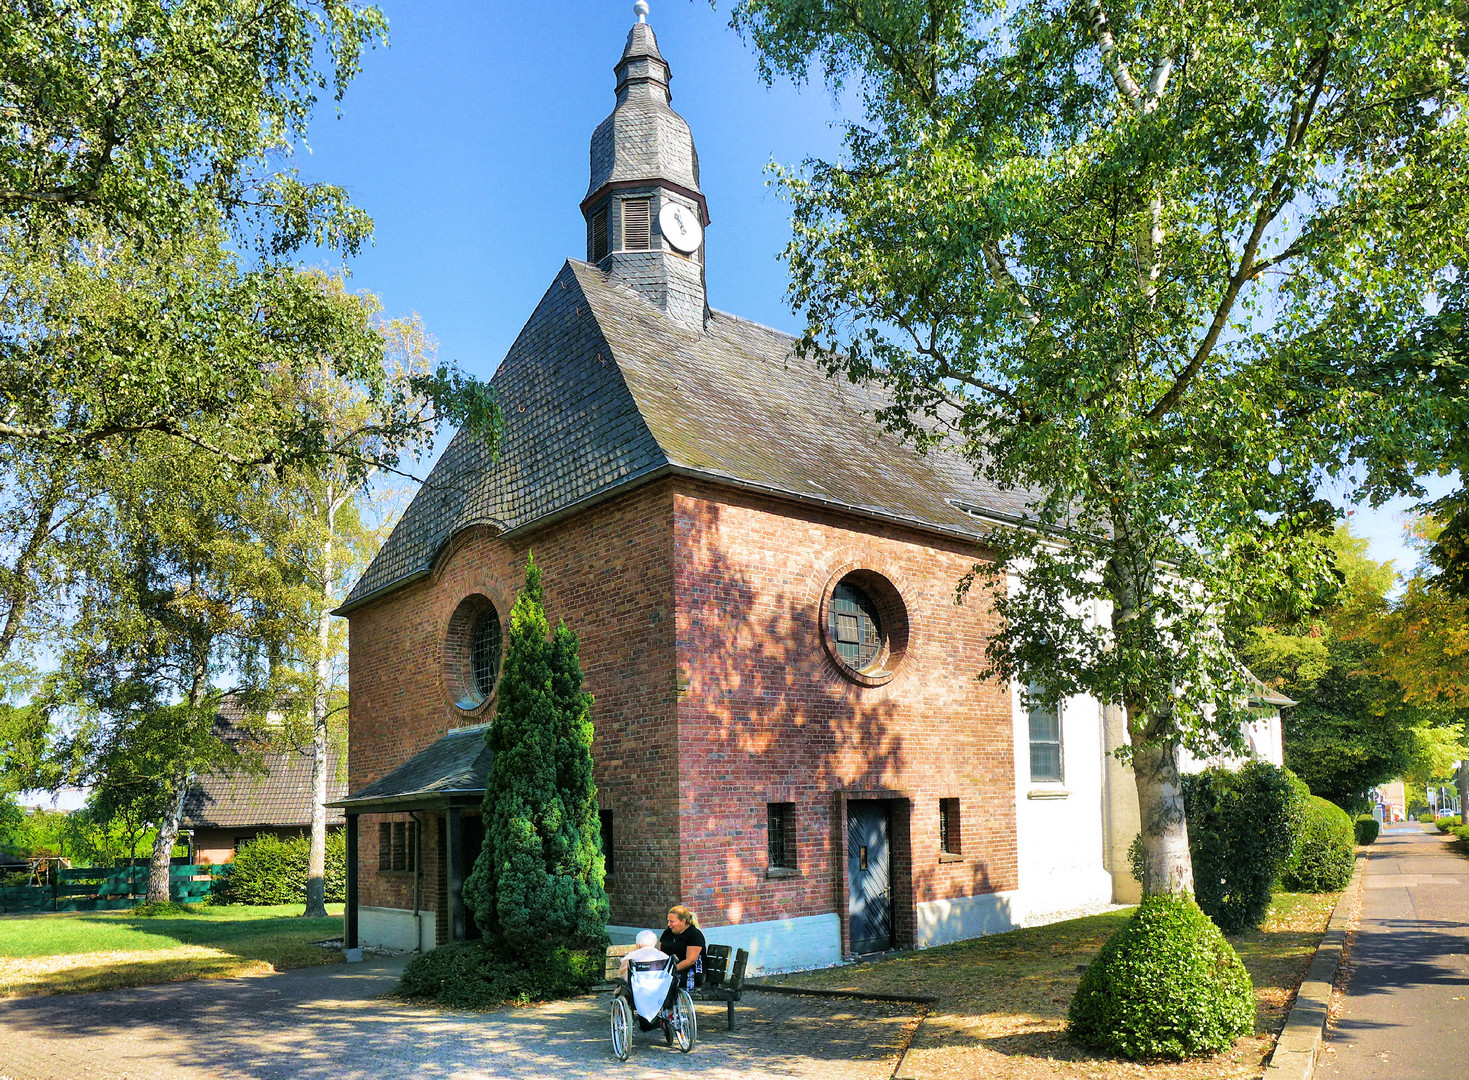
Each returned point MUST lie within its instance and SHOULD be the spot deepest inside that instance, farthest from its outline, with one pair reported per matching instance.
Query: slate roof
(643, 137)
(456, 764)
(602, 390)
(281, 796)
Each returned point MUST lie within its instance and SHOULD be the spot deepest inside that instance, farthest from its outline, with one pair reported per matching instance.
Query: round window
(473, 651)
(865, 628)
(855, 626)
(484, 651)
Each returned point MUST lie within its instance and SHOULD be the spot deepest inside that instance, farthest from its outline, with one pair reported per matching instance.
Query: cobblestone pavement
(331, 1024)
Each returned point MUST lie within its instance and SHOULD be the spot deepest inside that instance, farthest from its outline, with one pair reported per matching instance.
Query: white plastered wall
(396, 928)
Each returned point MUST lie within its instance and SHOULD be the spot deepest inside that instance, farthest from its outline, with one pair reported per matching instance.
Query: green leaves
(1143, 262)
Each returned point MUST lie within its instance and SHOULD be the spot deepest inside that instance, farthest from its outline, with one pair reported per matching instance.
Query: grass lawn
(75, 952)
(1003, 999)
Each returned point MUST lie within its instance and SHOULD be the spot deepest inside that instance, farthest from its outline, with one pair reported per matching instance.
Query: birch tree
(369, 438)
(1148, 262)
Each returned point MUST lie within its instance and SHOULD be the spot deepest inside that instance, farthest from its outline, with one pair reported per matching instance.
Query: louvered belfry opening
(599, 235)
(637, 224)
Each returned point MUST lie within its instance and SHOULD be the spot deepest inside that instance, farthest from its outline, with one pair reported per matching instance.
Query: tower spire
(644, 209)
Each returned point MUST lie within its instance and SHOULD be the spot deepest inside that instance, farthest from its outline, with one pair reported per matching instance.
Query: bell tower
(645, 213)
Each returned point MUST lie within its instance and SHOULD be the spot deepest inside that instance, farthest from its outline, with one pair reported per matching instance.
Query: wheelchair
(647, 998)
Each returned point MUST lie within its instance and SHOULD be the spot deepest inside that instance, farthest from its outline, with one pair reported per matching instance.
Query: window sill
(951, 856)
(773, 872)
(1047, 793)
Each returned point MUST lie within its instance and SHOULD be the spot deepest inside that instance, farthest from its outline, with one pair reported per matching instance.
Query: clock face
(681, 227)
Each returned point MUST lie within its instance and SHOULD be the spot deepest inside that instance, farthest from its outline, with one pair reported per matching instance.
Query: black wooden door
(870, 895)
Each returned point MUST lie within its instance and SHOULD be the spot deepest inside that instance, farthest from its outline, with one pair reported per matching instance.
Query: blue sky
(467, 141)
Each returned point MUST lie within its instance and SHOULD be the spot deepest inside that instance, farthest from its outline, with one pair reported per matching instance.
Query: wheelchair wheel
(685, 1022)
(621, 1027)
(667, 1032)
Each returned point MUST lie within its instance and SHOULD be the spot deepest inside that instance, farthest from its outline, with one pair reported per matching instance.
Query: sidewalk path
(1405, 1014)
(331, 1024)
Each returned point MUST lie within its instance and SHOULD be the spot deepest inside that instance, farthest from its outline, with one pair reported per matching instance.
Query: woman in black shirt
(684, 941)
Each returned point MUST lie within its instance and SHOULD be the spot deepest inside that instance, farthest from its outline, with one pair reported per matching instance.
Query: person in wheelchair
(643, 974)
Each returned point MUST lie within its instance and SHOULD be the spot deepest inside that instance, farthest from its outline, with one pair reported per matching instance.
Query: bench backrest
(716, 963)
(615, 953)
(735, 980)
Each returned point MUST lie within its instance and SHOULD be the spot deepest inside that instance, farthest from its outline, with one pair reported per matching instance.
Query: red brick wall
(767, 716)
(609, 573)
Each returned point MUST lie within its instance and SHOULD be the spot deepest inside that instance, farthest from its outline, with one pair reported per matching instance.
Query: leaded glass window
(856, 626)
(484, 651)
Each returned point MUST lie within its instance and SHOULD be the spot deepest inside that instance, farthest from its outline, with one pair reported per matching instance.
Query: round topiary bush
(1167, 985)
(1367, 829)
(1323, 859)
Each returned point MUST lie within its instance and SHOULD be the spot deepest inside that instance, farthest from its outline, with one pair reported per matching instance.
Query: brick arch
(829, 568)
(471, 581)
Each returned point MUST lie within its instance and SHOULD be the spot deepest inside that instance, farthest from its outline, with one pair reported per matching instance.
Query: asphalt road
(1405, 1013)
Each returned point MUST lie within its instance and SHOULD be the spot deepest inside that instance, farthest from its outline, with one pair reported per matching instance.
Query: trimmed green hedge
(269, 870)
(1167, 985)
(1242, 827)
(1324, 857)
(1368, 829)
(467, 975)
(1446, 824)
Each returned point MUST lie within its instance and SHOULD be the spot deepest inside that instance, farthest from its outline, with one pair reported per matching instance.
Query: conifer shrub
(469, 975)
(1368, 828)
(1167, 985)
(1446, 824)
(538, 884)
(271, 870)
(1242, 827)
(1323, 859)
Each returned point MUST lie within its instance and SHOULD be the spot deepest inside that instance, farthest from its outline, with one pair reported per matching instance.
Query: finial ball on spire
(640, 9)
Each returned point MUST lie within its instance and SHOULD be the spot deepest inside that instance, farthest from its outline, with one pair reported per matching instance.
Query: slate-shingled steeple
(642, 160)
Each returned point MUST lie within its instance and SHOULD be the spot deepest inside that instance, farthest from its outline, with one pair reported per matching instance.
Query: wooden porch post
(349, 937)
(455, 862)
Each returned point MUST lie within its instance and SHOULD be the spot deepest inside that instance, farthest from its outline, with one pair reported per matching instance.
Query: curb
(1294, 1057)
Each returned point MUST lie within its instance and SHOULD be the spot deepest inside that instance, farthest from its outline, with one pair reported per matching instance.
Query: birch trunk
(316, 860)
(1163, 828)
(168, 832)
(1167, 866)
(168, 828)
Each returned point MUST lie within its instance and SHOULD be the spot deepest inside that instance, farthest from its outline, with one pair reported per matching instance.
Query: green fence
(108, 888)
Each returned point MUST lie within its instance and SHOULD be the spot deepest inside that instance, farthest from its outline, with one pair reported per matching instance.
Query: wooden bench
(724, 977)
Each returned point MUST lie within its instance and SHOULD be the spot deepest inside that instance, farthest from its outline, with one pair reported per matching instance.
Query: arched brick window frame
(887, 591)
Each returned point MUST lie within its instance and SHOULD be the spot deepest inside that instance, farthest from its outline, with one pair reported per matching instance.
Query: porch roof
(451, 771)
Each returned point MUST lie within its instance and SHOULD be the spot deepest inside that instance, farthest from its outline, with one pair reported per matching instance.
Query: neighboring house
(223, 810)
(790, 737)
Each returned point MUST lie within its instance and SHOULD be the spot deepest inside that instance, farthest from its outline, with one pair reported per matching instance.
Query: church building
(790, 736)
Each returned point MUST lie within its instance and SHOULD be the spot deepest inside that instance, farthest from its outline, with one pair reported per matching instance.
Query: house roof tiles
(603, 389)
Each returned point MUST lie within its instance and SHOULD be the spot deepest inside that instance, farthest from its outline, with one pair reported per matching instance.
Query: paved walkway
(331, 1024)
(1405, 1013)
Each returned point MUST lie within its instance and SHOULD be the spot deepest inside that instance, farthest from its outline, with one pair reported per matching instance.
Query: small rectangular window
(950, 837)
(599, 235)
(780, 820)
(637, 224)
(1045, 738)
(385, 846)
(607, 845)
